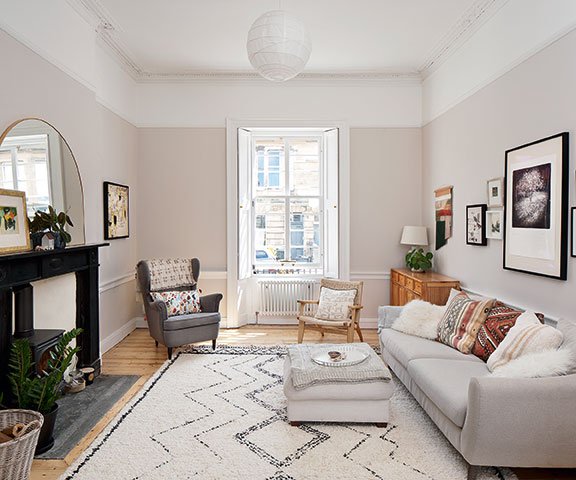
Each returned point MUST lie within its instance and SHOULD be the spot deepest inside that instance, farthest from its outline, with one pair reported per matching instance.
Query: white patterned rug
(222, 416)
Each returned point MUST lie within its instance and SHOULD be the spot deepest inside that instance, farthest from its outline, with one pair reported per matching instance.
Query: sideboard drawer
(418, 287)
(395, 277)
(401, 280)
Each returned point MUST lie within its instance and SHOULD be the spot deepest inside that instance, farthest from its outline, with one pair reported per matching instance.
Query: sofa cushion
(406, 347)
(462, 320)
(335, 305)
(568, 329)
(445, 382)
(179, 322)
(498, 322)
(527, 335)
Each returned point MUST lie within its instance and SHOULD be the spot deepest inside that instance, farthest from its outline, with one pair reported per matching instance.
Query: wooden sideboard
(406, 285)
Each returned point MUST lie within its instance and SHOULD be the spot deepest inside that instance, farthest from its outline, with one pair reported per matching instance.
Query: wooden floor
(137, 355)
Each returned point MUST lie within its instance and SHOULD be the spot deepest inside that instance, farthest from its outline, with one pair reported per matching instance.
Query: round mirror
(35, 159)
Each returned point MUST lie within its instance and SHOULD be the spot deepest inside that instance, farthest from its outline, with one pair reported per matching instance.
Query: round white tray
(350, 356)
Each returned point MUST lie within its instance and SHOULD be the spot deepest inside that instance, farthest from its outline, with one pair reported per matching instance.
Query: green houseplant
(51, 221)
(418, 261)
(40, 392)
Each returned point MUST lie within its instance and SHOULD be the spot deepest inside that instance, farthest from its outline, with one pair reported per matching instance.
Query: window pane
(270, 231)
(6, 177)
(304, 159)
(271, 168)
(304, 230)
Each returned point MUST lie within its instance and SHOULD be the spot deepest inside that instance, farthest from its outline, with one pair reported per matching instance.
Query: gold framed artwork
(116, 211)
(14, 231)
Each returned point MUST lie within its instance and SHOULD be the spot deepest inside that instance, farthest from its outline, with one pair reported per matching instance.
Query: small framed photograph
(573, 238)
(14, 231)
(494, 224)
(116, 211)
(495, 192)
(476, 224)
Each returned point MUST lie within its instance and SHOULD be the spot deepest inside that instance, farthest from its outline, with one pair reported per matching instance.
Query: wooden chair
(306, 316)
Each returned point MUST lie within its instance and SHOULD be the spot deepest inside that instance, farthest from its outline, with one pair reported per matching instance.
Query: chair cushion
(178, 302)
(168, 273)
(191, 320)
(335, 304)
(406, 347)
(445, 383)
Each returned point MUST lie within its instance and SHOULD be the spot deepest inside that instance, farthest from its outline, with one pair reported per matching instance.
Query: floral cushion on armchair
(179, 302)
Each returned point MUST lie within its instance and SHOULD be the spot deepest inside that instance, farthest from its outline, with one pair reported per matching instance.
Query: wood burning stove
(41, 341)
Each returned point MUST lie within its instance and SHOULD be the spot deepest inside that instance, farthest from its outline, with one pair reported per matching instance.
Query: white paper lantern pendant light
(278, 45)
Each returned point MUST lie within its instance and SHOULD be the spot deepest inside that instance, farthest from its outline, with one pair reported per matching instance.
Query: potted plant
(50, 222)
(40, 392)
(418, 261)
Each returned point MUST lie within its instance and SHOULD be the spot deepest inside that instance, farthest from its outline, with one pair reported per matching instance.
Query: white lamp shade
(278, 45)
(414, 236)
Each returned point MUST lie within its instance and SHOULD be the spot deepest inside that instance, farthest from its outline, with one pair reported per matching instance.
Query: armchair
(347, 327)
(174, 331)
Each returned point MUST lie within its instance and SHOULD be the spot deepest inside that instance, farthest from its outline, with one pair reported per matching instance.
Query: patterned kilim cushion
(179, 303)
(462, 320)
(498, 322)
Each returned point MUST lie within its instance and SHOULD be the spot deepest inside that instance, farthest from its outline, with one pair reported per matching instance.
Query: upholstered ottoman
(350, 401)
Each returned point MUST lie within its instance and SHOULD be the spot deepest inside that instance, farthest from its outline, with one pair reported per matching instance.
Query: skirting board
(364, 322)
(116, 337)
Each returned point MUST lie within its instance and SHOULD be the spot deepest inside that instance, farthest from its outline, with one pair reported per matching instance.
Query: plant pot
(46, 437)
(59, 243)
(36, 239)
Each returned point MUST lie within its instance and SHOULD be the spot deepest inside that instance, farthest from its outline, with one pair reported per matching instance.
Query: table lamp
(415, 237)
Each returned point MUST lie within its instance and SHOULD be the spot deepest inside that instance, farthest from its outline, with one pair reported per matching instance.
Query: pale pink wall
(385, 195)
(105, 148)
(465, 147)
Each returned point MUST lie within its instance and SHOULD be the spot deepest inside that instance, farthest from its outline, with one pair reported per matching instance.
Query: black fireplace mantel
(23, 268)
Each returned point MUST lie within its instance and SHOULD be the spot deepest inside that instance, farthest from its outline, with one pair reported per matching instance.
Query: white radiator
(279, 297)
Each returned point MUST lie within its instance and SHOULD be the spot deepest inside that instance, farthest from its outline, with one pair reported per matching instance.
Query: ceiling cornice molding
(109, 36)
(476, 16)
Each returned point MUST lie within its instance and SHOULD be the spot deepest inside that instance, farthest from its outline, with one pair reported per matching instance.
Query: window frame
(287, 137)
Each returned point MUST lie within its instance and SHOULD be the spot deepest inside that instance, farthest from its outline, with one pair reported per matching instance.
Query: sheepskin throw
(548, 363)
(420, 318)
(463, 318)
(528, 335)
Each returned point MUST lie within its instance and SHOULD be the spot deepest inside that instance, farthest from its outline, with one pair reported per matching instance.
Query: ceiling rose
(278, 45)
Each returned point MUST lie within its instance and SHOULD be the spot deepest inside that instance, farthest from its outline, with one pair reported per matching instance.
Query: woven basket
(16, 455)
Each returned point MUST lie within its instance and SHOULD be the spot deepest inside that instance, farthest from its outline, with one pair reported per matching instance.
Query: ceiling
(156, 38)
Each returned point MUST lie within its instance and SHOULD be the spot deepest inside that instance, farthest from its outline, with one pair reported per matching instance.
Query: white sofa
(491, 421)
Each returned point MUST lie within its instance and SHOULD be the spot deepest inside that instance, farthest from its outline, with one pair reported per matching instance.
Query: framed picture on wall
(536, 207)
(116, 211)
(494, 224)
(14, 231)
(443, 214)
(573, 238)
(495, 190)
(476, 224)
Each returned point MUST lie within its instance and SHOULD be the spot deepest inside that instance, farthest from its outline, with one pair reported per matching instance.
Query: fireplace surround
(17, 271)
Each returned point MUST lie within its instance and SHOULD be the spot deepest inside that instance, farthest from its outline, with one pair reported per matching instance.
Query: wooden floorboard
(137, 355)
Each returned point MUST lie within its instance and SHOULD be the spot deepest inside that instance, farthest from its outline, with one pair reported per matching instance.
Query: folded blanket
(305, 372)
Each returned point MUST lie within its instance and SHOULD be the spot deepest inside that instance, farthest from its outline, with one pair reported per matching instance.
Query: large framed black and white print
(536, 213)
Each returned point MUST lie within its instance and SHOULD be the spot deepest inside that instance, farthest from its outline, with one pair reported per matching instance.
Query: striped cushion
(528, 335)
(463, 318)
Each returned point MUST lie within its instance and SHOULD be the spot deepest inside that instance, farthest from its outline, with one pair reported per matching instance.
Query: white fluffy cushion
(547, 363)
(335, 304)
(568, 329)
(420, 318)
(527, 335)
